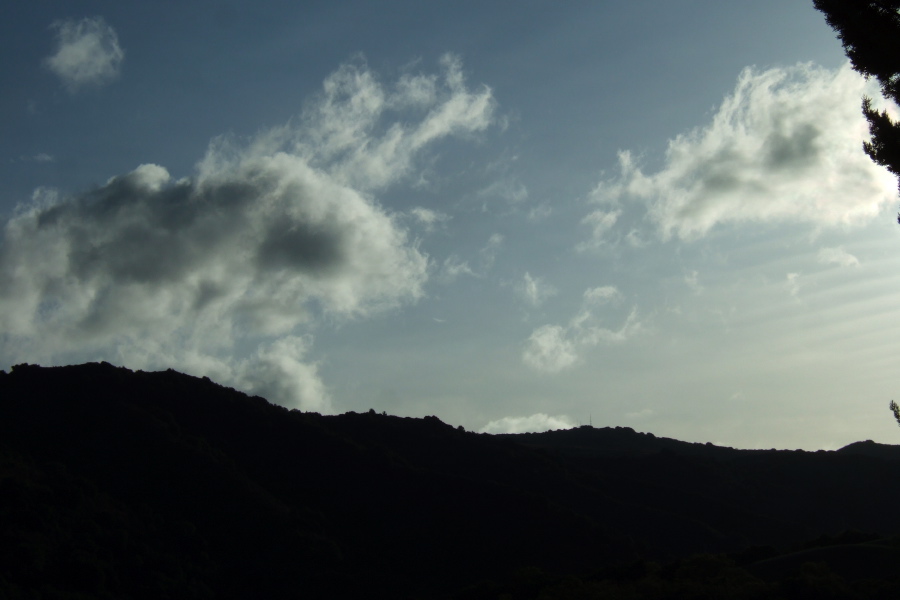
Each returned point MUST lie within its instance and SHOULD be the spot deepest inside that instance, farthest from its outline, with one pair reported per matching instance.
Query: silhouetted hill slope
(130, 484)
(588, 441)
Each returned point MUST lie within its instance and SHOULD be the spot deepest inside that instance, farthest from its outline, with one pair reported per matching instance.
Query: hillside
(127, 484)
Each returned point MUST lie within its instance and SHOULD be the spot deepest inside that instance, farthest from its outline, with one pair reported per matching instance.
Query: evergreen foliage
(870, 33)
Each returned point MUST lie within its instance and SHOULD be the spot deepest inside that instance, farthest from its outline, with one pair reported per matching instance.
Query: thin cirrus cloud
(557, 348)
(87, 54)
(225, 272)
(785, 145)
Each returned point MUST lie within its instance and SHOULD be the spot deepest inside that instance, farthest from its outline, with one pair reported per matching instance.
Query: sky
(513, 215)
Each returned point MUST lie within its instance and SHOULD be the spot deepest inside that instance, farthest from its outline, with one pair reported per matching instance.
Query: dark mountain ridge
(625, 441)
(161, 484)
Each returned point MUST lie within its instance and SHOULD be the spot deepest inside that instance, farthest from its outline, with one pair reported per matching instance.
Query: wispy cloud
(429, 219)
(786, 145)
(792, 285)
(556, 348)
(534, 423)
(837, 256)
(87, 54)
(692, 280)
(601, 223)
(265, 239)
(509, 189)
(345, 130)
(454, 266)
(644, 413)
(534, 290)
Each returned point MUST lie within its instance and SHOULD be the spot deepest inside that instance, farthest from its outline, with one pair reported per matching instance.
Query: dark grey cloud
(267, 236)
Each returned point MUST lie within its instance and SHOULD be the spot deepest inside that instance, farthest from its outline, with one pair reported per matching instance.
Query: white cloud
(535, 423)
(279, 373)
(264, 239)
(556, 348)
(634, 239)
(534, 290)
(786, 145)
(88, 53)
(601, 223)
(601, 295)
(793, 284)
(692, 280)
(641, 414)
(539, 213)
(344, 130)
(490, 250)
(837, 256)
(510, 190)
(549, 349)
(454, 267)
(428, 218)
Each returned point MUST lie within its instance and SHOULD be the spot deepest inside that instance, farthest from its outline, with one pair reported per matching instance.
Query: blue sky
(511, 215)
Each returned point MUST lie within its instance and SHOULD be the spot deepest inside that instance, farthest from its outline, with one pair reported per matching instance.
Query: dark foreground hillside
(120, 484)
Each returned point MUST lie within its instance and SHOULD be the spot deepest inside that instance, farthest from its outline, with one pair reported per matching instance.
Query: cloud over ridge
(537, 422)
(268, 237)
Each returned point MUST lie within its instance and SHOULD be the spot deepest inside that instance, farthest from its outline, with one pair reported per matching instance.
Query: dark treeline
(121, 484)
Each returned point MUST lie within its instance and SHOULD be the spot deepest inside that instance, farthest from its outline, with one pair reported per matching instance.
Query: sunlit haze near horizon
(515, 216)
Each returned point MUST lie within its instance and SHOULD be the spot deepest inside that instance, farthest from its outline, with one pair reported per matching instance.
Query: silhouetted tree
(896, 410)
(870, 33)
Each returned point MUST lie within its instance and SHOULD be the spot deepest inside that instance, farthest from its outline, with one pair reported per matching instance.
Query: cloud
(837, 256)
(539, 213)
(601, 295)
(453, 266)
(88, 53)
(601, 223)
(692, 280)
(786, 145)
(792, 285)
(641, 414)
(557, 348)
(550, 349)
(509, 189)
(280, 373)
(534, 290)
(263, 241)
(345, 131)
(428, 218)
(535, 423)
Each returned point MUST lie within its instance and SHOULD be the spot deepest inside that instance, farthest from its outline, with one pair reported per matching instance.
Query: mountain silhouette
(126, 484)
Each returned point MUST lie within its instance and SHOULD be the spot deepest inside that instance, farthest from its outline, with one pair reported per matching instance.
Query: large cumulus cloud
(225, 272)
(786, 145)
